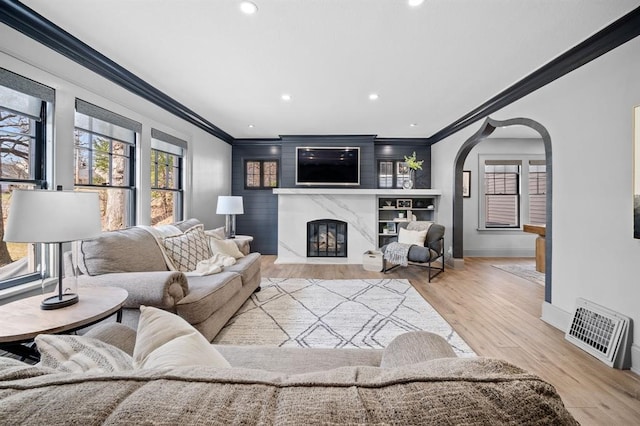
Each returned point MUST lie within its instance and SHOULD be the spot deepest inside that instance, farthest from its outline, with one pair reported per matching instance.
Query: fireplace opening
(326, 238)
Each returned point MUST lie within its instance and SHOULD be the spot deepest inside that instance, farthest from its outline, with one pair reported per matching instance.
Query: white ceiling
(430, 64)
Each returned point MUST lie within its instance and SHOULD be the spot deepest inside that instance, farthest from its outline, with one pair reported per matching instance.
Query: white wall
(588, 114)
(208, 163)
(495, 243)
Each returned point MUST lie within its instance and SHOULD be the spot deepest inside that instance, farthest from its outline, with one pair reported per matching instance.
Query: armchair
(429, 256)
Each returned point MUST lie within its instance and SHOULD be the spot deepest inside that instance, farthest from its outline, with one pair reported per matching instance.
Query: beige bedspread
(443, 391)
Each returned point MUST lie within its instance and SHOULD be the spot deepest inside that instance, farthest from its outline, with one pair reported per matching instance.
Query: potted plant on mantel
(413, 165)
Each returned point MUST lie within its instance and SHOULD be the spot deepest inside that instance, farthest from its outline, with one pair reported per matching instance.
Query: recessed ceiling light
(250, 126)
(286, 97)
(248, 7)
(415, 3)
(413, 125)
(373, 96)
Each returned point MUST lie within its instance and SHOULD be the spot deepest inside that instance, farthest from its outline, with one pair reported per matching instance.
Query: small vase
(408, 184)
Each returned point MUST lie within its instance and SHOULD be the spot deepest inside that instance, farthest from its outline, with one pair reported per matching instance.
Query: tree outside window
(166, 187)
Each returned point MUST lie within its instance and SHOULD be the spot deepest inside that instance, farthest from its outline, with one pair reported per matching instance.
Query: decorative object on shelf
(390, 228)
(413, 165)
(466, 184)
(40, 216)
(388, 204)
(230, 206)
(401, 215)
(404, 204)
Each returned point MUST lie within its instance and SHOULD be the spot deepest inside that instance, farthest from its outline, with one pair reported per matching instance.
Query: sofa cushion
(125, 250)
(81, 354)
(187, 224)
(188, 249)
(226, 247)
(247, 267)
(165, 340)
(207, 294)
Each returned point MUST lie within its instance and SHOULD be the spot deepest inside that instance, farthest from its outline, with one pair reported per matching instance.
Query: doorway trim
(487, 128)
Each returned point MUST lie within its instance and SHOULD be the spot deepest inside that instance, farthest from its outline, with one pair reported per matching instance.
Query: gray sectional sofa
(131, 259)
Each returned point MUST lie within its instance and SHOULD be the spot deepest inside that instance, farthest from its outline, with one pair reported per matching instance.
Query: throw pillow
(76, 354)
(412, 237)
(226, 247)
(217, 233)
(165, 340)
(186, 250)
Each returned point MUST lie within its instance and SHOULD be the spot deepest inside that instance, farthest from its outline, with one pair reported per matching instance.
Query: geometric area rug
(523, 270)
(317, 313)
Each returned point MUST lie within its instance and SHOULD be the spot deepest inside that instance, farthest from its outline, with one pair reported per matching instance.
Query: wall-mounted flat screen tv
(328, 166)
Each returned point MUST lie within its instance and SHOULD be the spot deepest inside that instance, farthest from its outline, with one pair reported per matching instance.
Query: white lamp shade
(228, 204)
(39, 216)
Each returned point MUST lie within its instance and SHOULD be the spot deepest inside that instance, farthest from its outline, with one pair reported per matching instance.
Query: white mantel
(357, 191)
(357, 207)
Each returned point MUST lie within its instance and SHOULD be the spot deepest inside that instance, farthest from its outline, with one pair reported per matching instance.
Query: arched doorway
(487, 128)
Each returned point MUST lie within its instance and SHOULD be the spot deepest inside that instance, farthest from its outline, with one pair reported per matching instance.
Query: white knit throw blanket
(397, 253)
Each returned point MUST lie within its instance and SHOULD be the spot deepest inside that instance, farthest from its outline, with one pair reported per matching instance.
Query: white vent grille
(599, 331)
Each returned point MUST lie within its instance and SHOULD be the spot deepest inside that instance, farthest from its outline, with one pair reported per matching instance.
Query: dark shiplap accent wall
(260, 218)
(397, 150)
(367, 162)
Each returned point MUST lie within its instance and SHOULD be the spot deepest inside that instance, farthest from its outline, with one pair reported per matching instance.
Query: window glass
(166, 187)
(103, 162)
(537, 192)
(261, 174)
(502, 196)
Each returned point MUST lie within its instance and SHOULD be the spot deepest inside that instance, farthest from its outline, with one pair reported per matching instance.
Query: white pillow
(186, 250)
(165, 340)
(226, 247)
(77, 354)
(217, 233)
(412, 237)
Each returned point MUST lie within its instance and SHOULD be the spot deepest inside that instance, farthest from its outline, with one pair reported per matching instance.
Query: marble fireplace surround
(357, 207)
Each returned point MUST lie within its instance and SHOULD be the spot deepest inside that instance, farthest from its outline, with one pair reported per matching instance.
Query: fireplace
(326, 238)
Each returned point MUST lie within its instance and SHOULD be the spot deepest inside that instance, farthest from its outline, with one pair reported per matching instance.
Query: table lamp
(230, 206)
(40, 216)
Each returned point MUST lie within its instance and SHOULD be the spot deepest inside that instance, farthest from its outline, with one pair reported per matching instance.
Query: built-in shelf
(422, 205)
(397, 193)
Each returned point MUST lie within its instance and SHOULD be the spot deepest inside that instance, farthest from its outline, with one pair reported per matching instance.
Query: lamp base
(57, 302)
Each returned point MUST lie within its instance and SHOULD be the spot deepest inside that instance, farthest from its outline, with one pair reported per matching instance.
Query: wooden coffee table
(21, 321)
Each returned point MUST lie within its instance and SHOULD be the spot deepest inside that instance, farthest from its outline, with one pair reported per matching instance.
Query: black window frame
(262, 185)
(178, 177)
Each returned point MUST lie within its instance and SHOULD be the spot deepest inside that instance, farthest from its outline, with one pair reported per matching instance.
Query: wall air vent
(601, 332)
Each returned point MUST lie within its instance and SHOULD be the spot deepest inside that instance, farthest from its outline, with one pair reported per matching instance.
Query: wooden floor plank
(498, 315)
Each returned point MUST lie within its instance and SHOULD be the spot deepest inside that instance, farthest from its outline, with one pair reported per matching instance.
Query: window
(502, 194)
(260, 174)
(513, 191)
(104, 161)
(393, 174)
(167, 153)
(537, 192)
(23, 115)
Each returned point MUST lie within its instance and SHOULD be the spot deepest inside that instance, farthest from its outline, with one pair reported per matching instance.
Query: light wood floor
(498, 315)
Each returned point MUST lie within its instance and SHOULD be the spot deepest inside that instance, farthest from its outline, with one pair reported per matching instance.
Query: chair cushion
(406, 236)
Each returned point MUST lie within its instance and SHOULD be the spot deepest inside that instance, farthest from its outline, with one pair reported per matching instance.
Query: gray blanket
(469, 391)
(397, 253)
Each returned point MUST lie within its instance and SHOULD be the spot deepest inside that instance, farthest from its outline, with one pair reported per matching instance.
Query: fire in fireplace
(326, 238)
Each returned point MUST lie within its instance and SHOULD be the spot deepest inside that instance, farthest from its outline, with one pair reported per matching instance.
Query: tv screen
(327, 166)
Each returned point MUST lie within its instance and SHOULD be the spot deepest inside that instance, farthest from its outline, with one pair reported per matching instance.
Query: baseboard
(555, 316)
(500, 252)
(635, 359)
